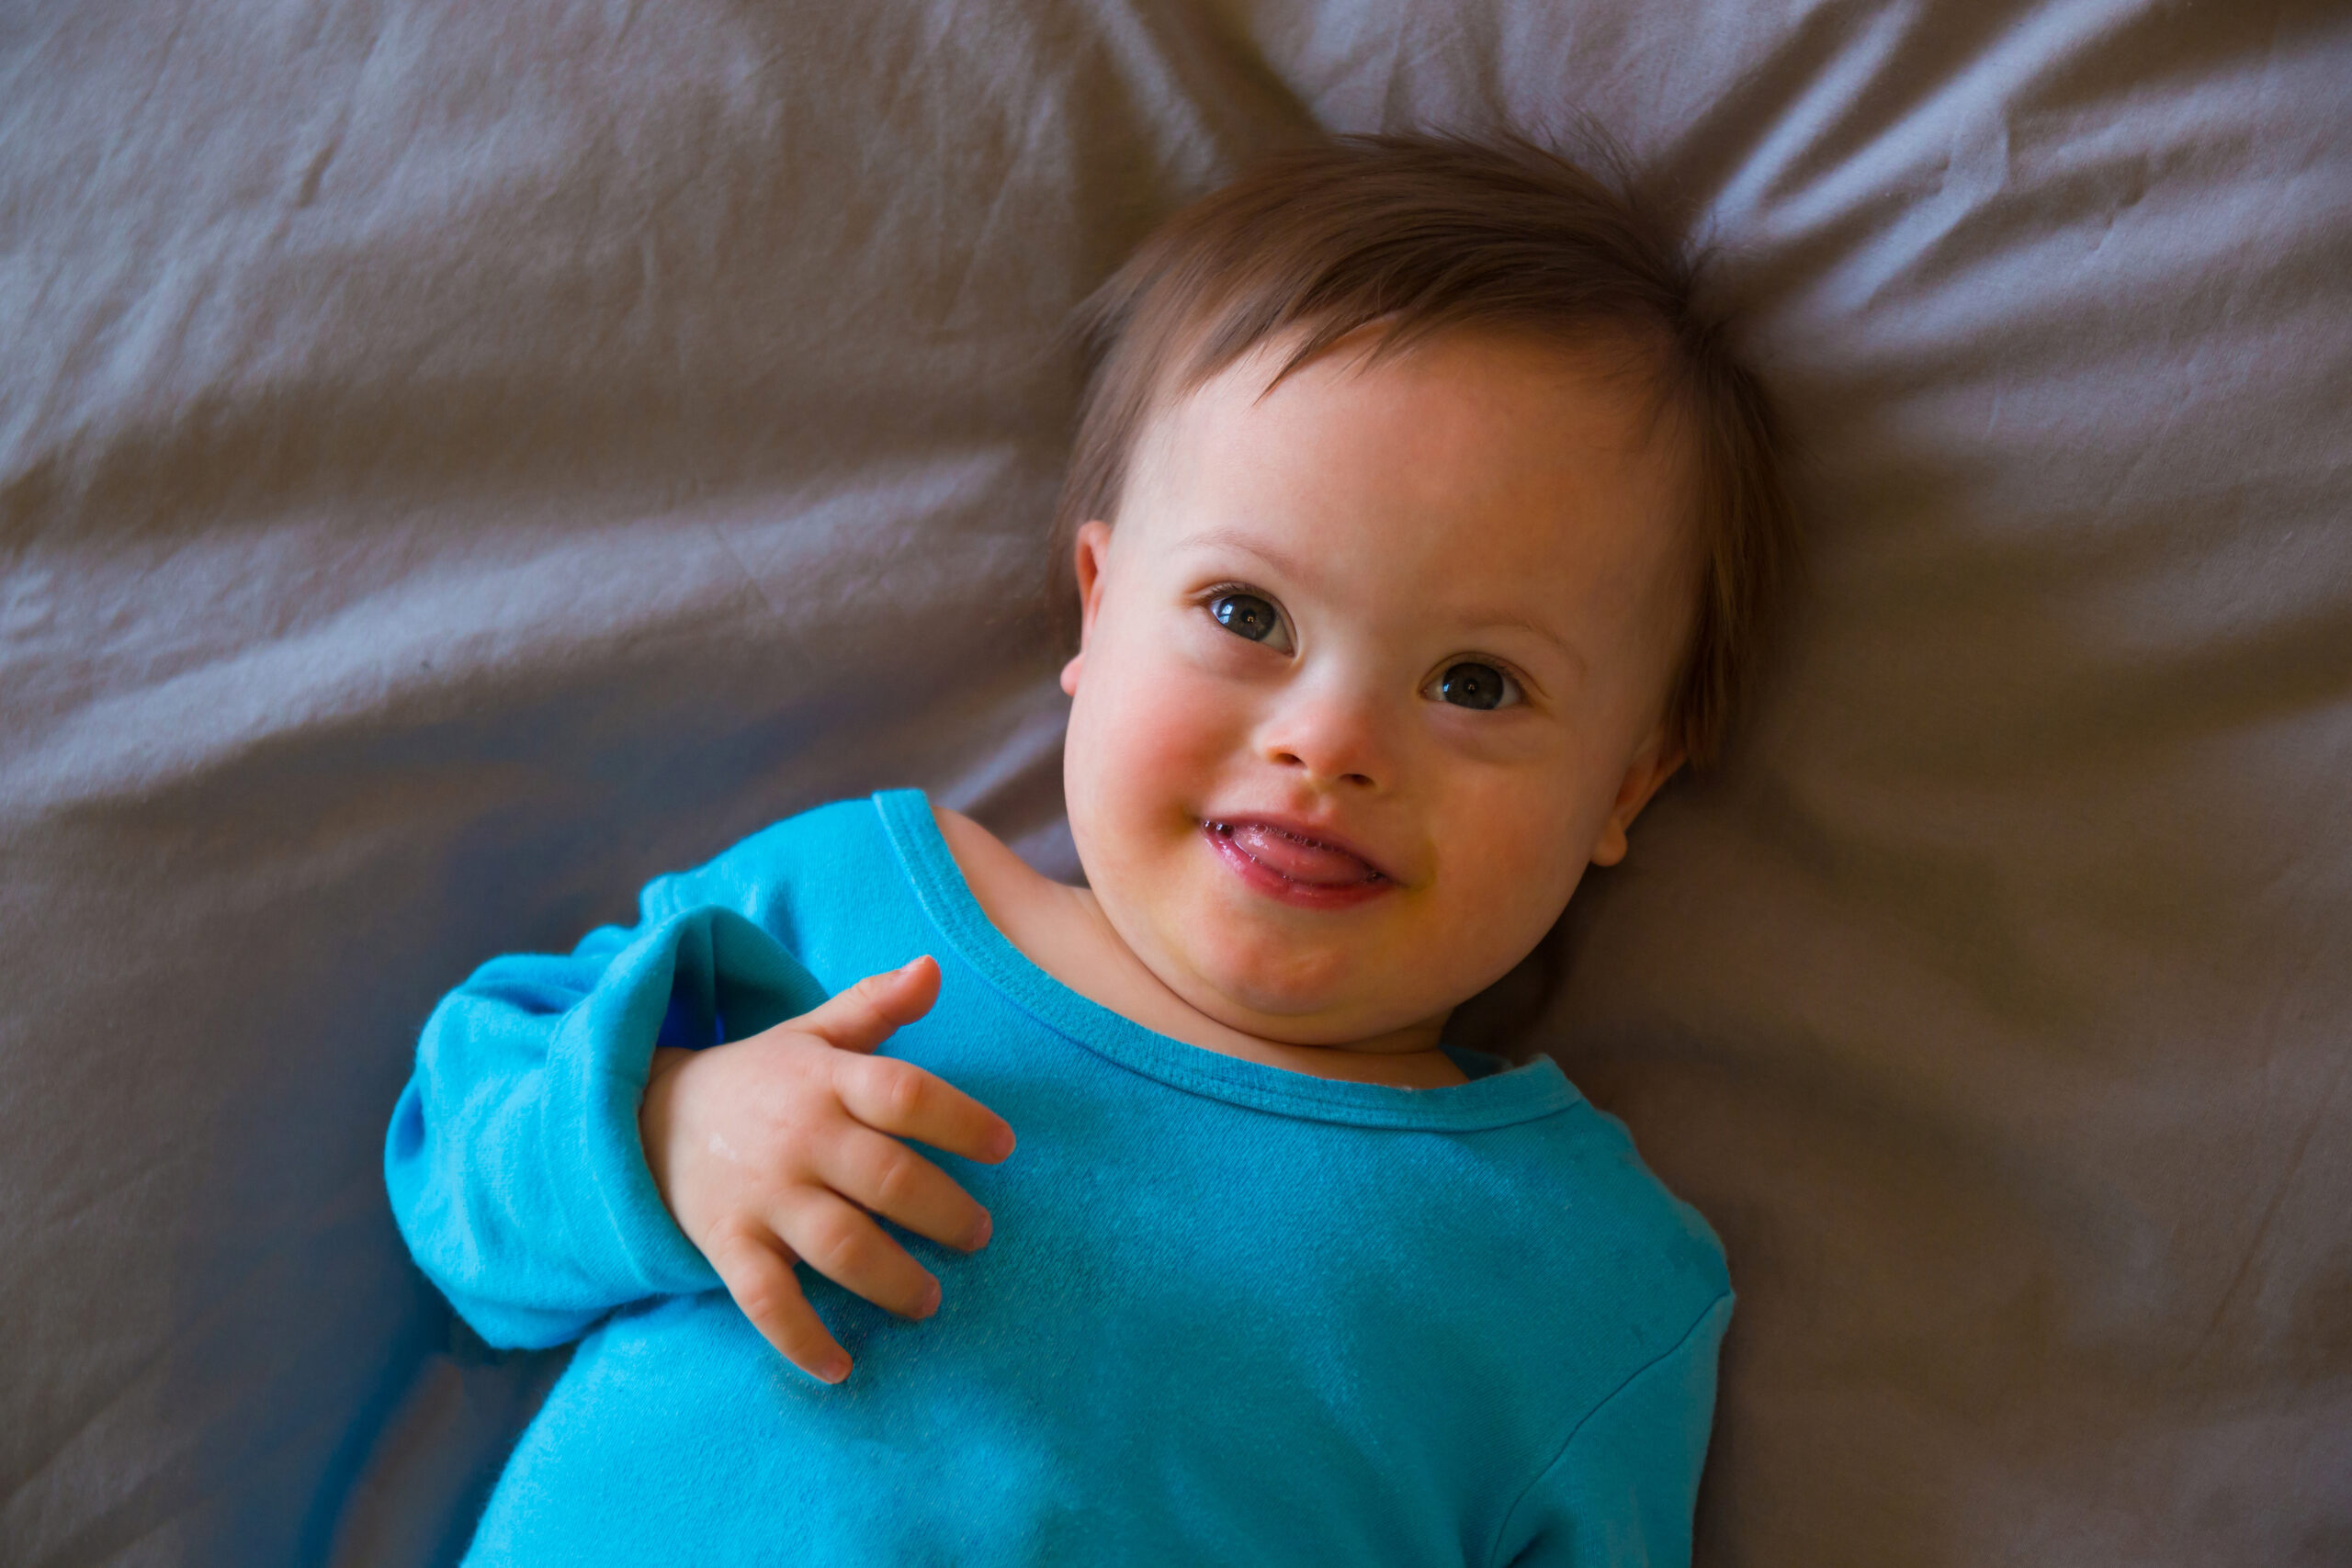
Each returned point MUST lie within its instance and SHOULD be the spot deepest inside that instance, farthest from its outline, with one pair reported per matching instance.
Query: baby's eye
(1248, 615)
(1471, 684)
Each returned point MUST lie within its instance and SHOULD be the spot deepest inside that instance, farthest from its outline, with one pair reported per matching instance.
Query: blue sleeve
(1622, 1491)
(513, 1162)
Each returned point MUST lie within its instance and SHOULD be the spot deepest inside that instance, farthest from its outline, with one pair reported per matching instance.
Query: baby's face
(1373, 666)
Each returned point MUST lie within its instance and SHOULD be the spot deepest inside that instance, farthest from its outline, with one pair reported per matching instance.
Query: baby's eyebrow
(1231, 539)
(1534, 628)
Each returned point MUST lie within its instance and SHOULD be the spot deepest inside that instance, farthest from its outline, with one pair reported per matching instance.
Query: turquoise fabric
(1229, 1314)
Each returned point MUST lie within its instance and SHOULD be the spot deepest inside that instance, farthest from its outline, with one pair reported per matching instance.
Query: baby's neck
(1062, 930)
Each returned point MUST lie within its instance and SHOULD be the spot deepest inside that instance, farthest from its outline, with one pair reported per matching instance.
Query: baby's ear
(1090, 548)
(1661, 756)
(1091, 551)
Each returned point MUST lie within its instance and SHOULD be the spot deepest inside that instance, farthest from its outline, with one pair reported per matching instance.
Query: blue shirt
(1230, 1314)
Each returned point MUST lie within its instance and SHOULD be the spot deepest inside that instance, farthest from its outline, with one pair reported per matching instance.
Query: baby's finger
(867, 1014)
(761, 1281)
(894, 1182)
(841, 1242)
(896, 1096)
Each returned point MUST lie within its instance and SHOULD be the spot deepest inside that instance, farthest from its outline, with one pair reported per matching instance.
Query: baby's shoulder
(1045, 920)
(1584, 1186)
(994, 873)
(772, 873)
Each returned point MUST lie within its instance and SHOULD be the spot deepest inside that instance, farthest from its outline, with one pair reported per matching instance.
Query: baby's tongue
(1296, 858)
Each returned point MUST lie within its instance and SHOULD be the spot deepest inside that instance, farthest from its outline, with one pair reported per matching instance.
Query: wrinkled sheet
(457, 461)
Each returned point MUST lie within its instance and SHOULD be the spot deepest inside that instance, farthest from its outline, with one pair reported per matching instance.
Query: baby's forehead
(1527, 420)
(1454, 473)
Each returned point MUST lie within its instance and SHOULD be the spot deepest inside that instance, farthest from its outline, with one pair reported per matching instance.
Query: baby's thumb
(864, 1016)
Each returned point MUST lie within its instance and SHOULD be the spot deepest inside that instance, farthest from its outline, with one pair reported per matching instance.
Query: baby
(1420, 530)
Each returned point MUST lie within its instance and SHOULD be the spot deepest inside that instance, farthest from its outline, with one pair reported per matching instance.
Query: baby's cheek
(1175, 738)
(1146, 762)
(1514, 867)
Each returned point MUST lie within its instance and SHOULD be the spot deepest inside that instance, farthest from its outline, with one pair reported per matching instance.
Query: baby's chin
(1320, 999)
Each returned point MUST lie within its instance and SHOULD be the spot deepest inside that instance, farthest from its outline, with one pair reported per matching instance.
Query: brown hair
(1422, 234)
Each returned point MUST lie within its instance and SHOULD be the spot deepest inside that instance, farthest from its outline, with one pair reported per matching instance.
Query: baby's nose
(1335, 738)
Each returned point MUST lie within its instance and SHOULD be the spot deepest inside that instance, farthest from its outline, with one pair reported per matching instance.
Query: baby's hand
(774, 1147)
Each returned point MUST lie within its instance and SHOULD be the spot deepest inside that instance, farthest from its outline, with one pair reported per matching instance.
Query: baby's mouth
(1296, 857)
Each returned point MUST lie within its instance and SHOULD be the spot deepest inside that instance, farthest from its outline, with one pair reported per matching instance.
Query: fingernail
(1002, 1145)
(833, 1369)
(981, 1231)
(908, 967)
(929, 1301)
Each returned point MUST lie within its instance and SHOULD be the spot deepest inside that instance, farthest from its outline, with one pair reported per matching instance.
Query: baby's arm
(514, 1159)
(1622, 1491)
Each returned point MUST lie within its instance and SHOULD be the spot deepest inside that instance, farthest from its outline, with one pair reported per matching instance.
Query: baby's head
(1422, 530)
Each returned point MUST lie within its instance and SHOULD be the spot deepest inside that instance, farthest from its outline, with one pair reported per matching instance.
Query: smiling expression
(1373, 664)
